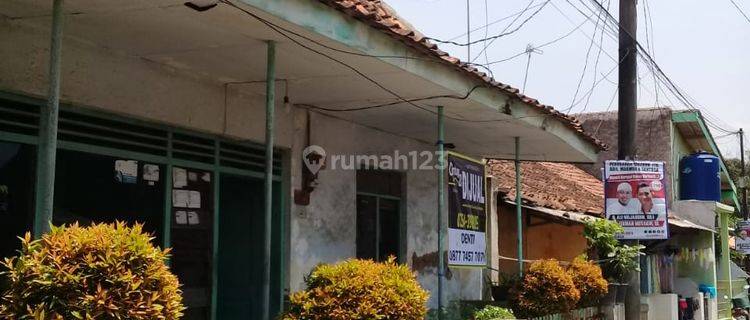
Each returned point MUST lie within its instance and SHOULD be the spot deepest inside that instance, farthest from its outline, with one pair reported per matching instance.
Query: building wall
(653, 138)
(145, 89)
(322, 232)
(551, 240)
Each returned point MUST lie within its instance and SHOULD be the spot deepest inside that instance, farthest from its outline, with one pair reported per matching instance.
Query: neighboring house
(662, 134)
(557, 200)
(669, 135)
(156, 87)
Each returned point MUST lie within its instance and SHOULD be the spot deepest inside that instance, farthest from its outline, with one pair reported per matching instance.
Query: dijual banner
(467, 209)
(636, 197)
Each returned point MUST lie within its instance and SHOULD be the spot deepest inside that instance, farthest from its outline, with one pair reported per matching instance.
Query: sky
(702, 46)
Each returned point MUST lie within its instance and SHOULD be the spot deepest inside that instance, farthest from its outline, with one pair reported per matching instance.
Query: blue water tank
(700, 178)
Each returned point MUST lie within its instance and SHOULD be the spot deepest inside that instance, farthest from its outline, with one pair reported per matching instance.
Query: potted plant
(617, 260)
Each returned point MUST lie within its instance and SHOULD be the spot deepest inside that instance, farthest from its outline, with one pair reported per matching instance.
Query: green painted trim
(82, 147)
(215, 243)
(285, 205)
(168, 196)
(167, 232)
(441, 205)
(725, 260)
(20, 138)
(389, 197)
(128, 119)
(696, 117)
(112, 152)
(519, 206)
(685, 116)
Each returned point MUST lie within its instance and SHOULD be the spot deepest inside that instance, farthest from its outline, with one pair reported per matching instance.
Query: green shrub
(546, 289)
(588, 279)
(493, 313)
(359, 289)
(619, 259)
(105, 271)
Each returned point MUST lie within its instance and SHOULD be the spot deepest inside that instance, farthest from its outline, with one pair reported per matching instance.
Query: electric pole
(626, 118)
(743, 175)
(627, 85)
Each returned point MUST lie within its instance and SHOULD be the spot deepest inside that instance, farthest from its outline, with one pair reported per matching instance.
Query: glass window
(378, 214)
(17, 172)
(192, 238)
(92, 188)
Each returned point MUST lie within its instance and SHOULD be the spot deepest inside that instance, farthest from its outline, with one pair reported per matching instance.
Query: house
(206, 115)
(558, 198)
(699, 259)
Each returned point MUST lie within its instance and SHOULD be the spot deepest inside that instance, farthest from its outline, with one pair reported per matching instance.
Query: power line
(650, 43)
(540, 6)
(495, 36)
(596, 65)
(553, 41)
(486, 28)
(688, 101)
(585, 63)
(516, 14)
(740, 10)
(373, 81)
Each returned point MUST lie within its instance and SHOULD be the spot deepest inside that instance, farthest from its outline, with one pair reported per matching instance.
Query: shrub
(359, 289)
(546, 289)
(619, 259)
(98, 272)
(588, 279)
(601, 235)
(493, 313)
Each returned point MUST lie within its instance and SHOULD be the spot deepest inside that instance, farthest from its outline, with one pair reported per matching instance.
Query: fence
(615, 312)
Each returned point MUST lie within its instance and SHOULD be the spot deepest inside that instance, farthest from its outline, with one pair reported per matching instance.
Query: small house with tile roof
(557, 198)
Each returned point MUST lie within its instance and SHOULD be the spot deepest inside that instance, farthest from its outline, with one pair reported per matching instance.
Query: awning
(687, 224)
(576, 217)
(581, 218)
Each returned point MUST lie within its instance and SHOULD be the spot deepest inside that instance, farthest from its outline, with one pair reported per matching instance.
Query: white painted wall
(325, 230)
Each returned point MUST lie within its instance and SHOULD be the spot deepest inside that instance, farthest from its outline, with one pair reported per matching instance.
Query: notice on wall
(467, 211)
(180, 198)
(742, 237)
(126, 171)
(151, 173)
(636, 197)
(179, 178)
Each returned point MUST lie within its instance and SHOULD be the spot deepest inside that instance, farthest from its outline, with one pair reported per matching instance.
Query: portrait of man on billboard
(624, 204)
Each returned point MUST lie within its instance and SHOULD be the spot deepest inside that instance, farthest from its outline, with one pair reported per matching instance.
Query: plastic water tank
(700, 178)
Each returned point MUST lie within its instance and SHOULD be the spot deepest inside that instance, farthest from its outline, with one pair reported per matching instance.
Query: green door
(240, 264)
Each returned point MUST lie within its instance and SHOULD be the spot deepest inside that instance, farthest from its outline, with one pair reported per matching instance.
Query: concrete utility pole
(45, 164)
(743, 175)
(627, 107)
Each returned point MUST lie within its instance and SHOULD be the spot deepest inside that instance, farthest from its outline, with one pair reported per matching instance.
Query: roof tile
(559, 186)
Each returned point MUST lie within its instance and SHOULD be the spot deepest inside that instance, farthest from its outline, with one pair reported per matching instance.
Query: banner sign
(742, 237)
(636, 197)
(467, 212)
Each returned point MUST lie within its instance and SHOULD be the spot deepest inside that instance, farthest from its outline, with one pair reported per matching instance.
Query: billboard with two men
(636, 197)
